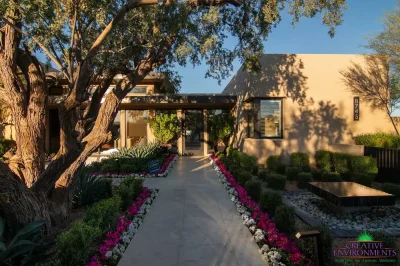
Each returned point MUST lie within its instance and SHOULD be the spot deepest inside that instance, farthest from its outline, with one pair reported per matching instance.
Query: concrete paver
(191, 223)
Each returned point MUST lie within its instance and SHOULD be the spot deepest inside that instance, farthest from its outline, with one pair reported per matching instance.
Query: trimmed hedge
(364, 179)
(270, 199)
(391, 189)
(380, 140)
(276, 181)
(104, 214)
(248, 162)
(253, 187)
(301, 160)
(292, 172)
(303, 179)
(243, 176)
(281, 169)
(363, 165)
(285, 219)
(341, 162)
(273, 162)
(323, 160)
(316, 174)
(263, 175)
(331, 177)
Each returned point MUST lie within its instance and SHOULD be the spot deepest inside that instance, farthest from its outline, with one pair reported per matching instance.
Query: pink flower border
(264, 222)
(112, 238)
(164, 167)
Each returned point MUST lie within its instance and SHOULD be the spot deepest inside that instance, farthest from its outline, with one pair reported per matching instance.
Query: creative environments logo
(365, 250)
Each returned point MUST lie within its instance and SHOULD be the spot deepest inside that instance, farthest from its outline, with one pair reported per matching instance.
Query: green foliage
(380, 140)
(248, 162)
(285, 219)
(25, 247)
(323, 160)
(221, 156)
(165, 127)
(391, 188)
(276, 181)
(94, 167)
(273, 162)
(331, 177)
(281, 169)
(263, 175)
(151, 150)
(229, 151)
(128, 191)
(388, 240)
(316, 174)
(364, 179)
(303, 179)
(220, 127)
(292, 172)
(89, 189)
(364, 165)
(253, 188)
(270, 199)
(78, 243)
(129, 168)
(341, 162)
(104, 214)
(243, 176)
(301, 160)
(5, 145)
(307, 245)
(109, 166)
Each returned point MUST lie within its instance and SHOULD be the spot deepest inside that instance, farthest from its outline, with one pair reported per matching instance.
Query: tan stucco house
(296, 103)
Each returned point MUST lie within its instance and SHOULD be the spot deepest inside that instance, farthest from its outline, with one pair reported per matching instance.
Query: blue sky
(361, 19)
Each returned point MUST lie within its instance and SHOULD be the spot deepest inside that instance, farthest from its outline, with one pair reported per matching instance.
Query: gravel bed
(377, 218)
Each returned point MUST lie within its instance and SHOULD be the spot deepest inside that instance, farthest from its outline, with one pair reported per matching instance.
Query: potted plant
(166, 129)
(220, 129)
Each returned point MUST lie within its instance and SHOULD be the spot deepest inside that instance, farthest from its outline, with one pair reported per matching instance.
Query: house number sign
(356, 108)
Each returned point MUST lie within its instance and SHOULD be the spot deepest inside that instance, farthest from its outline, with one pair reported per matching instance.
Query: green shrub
(270, 199)
(307, 245)
(316, 174)
(303, 179)
(94, 167)
(165, 127)
(78, 243)
(285, 219)
(323, 160)
(253, 188)
(363, 164)
(248, 162)
(128, 191)
(276, 181)
(292, 172)
(104, 214)
(281, 169)
(129, 168)
(150, 150)
(381, 140)
(341, 162)
(364, 179)
(89, 189)
(331, 177)
(221, 157)
(236, 156)
(273, 162)
(109, 165)
(301, 160)
(218, 153)
(234, 169)
(391, 188)
(388, 240)
(263, 175)
(5, 145)
(243, 176)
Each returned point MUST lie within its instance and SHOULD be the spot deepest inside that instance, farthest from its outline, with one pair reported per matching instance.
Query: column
(122, 129)
(205, 133)
(47, 137)
(180, 142)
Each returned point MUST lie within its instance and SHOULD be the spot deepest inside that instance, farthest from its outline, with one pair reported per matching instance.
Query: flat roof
(174, 101)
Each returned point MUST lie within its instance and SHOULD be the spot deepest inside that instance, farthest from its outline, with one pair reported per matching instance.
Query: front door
(193, 132)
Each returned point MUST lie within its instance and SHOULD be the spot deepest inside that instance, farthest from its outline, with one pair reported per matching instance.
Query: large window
(139, 90)
(270, 118)
(136, 127)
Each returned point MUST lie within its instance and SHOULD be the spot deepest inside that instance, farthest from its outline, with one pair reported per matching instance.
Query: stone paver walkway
(192, 222)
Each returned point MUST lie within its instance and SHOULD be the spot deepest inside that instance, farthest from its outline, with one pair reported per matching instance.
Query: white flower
(264, 249)
(109, 254)
(115, 257)
(258, 235)
(252, 228)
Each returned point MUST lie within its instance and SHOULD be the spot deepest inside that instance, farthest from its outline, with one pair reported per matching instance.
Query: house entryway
(193, 132)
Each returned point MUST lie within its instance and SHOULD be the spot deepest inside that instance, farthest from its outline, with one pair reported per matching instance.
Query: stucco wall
(317, 108)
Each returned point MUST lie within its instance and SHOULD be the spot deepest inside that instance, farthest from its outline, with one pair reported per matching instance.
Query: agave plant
(143, 151)
(25, 247)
